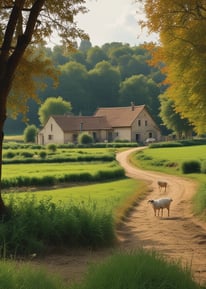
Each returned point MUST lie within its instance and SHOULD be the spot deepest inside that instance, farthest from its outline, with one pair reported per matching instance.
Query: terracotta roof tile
(84, 123)
(120, 116)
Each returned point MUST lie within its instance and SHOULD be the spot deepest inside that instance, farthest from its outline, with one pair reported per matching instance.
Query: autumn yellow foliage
(181, 54)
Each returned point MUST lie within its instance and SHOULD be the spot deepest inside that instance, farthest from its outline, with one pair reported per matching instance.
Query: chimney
(132, 105)
(81, 126)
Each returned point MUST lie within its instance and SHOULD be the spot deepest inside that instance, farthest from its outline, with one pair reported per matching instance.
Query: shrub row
(61, 159)
(53, 225)
(179, 143)
(104, 175)
(15, 145)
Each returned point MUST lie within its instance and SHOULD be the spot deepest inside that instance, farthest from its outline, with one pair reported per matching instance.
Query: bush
(85, 138)
(190, 167)
(27, 154)
(42, 154)
(52, 147)
(9, 155)
(30, 133)
(203, 167)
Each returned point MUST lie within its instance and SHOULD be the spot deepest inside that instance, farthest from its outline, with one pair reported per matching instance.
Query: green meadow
(170, 161)
(86, 215)
(114, 197)
(53, 169)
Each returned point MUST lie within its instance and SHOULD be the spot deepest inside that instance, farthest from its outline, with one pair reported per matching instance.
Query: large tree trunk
(2, 121)
(9, 60)
(2, 205)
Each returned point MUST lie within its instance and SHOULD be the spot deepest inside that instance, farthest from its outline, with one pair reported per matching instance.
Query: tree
(73, 86)
(24, 24)
(140, 90)
(182, 31)
(30, 133)
(104, 82)
(94, 56)
(173, 120)
(53, 106)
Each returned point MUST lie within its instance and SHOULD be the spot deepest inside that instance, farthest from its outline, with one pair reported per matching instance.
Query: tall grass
(76, 216)
(138, 270)
(15, 275)
(33, 226)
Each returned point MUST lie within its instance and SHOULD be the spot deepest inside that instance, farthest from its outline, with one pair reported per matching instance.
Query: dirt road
(180, 236)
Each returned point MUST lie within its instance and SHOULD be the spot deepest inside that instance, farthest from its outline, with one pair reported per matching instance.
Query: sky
(113, 21)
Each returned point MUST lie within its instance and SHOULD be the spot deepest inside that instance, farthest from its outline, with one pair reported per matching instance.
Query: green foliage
(30, 133)
(189, 167)
(27, 154)
(32, 154)
(42, 154)
(179, 143)
(53, 173)
(15, 275)
(52, 147)
(203, 167)
(86, 86)
(85, 138)
(173, 120)
(53, 225)
(9, 154)
(139, 269)
(53, 106)
(199, 200)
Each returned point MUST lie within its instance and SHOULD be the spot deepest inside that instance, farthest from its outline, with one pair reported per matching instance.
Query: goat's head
(151, 201)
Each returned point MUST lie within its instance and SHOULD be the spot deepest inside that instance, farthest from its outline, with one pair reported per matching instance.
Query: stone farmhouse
(133, 123)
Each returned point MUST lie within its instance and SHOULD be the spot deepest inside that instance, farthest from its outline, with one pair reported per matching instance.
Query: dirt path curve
(180, 236)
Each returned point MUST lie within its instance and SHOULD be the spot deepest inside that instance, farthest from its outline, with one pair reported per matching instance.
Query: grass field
(53, 169)
(168, 160)
(115, 197)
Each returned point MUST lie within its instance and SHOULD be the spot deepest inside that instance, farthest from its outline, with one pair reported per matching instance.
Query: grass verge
(140, 269)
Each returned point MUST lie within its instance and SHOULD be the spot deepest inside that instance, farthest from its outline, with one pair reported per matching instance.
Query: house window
(50, 136)
(51, 127)
(139, 122)
(145, 122)
(150, 134)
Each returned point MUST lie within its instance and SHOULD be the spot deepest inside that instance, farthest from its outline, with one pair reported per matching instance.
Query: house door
(150, 135)
(137, 137)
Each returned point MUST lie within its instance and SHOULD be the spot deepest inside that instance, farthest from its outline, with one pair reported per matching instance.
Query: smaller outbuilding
(63, 129)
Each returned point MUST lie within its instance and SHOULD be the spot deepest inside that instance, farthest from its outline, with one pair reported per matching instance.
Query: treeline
(115, 74)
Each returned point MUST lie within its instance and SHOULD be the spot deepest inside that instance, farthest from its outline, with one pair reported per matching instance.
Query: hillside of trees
(115, 74)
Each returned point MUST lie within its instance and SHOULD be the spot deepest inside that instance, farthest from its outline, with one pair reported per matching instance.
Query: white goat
(162, 184)
(160, 204)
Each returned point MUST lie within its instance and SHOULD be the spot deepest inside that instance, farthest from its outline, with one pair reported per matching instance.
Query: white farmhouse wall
(51, 133)
(144, 127)
(122, 133)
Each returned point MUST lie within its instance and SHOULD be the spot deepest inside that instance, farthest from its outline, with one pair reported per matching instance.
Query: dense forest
(115, 74)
